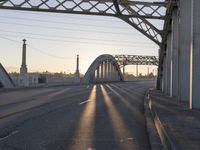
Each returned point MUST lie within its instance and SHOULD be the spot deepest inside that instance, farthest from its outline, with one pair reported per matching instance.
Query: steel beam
(124, 60)
(134, 13)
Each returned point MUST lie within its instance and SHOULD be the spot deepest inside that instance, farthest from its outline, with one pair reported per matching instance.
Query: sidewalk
(177, 125)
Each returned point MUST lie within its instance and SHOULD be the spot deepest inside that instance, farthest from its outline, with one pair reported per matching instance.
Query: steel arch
(96, 63)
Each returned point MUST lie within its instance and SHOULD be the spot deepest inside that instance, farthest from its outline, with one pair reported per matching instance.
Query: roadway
(86, 117)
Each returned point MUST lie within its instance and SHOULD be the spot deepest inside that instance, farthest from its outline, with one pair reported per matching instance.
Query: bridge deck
(101, 117)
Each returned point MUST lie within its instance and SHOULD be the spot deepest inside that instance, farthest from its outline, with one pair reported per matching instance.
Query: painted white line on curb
(12, 133)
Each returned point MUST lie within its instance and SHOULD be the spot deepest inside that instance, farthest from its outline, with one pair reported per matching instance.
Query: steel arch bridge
(103, 69)
(140, 14)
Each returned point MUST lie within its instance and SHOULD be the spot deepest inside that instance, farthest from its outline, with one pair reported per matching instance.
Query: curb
(167, 141)
(36, 87)
(154, 139)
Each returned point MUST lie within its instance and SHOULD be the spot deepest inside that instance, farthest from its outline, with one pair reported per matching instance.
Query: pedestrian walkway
(178, 126)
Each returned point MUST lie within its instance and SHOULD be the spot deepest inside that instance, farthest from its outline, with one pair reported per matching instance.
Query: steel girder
(136, 13)
(124, 60)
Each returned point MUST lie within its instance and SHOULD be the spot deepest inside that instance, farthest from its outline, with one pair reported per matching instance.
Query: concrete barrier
(5, 79)
(167, 141)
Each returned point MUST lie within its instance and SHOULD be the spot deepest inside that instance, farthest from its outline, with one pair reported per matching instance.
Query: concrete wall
(181, 73)
(195, 55)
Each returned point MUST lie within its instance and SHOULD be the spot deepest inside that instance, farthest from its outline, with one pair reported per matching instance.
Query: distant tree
(151, 74)
(14, 74)
(140, 75)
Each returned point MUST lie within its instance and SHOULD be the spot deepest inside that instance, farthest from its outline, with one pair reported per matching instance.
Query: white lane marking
(87, 86)
(11, 134)
(84, 102)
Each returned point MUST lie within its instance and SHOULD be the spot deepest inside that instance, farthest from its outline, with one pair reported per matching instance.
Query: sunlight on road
(85, 129)
(127, 103)
(120, 130)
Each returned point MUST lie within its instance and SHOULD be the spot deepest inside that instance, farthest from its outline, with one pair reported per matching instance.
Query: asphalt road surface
(86, 117)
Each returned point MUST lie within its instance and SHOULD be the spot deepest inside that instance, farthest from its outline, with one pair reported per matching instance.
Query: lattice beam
(133, 12)
(124, 60)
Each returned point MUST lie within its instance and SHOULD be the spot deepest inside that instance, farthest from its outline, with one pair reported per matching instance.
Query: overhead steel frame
(124, 60)
(139, 14)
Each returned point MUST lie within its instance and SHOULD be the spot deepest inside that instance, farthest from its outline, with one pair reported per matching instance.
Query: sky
(54, 40)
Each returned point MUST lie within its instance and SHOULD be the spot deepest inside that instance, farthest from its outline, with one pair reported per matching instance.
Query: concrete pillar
(195, 55)
(184, 49)
(168, 65)
(174, 60)
(97, 77)
(164, 77)
(101, 71)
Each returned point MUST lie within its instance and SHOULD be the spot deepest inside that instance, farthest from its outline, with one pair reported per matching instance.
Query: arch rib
(99, 62)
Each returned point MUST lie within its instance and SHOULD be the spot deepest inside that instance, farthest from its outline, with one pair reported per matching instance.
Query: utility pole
(77, 73)
(23, 69)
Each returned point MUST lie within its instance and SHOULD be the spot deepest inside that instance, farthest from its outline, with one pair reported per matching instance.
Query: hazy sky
(54, 40)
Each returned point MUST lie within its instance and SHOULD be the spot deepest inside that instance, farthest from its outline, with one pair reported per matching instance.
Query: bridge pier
(168, 64)
(184, 49)
(181, 65)
(175, 53)
(195, 55)
(164, 76)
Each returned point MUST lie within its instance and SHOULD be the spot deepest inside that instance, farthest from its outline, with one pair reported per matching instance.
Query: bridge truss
(140, 14)
(124, 60)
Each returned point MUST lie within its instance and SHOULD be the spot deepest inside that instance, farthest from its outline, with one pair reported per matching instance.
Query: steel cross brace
(124, 60)
(133, 12)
